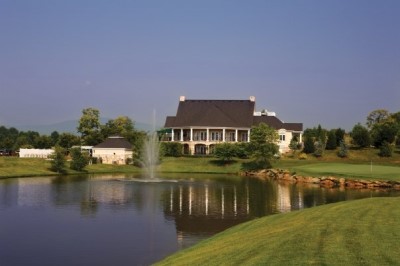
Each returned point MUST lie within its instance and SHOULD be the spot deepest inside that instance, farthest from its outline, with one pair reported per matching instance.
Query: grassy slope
(361, 232)
(357, 166)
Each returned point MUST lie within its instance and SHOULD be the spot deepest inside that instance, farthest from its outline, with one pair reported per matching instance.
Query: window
(230, 136)
(199, 135)
(216, 136)
(282, 137)
(243, 137)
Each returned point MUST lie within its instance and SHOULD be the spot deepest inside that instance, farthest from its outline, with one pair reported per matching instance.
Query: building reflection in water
(197, 208)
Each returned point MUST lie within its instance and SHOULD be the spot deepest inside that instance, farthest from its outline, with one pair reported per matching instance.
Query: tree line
(381, 131)
(90, 132)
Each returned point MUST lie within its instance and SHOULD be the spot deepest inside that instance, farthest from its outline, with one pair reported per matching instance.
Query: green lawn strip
(365, 171)
(18, 167)
(360, 232)
(27, 167)
(198, 165)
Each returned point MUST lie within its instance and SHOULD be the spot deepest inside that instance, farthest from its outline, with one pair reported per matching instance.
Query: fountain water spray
(151, 151)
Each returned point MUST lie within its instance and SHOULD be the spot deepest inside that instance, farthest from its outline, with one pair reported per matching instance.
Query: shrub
(386, 150)
(256, 165)
(303, 156)
(242, 150)
(319, 148)
(79, 160)
(343, 150)
(172, 149)
(225, 151)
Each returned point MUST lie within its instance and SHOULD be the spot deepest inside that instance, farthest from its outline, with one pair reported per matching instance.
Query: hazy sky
(316, 62)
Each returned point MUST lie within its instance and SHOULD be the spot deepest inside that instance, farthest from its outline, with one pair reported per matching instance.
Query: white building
(200, 124)
(114, 150)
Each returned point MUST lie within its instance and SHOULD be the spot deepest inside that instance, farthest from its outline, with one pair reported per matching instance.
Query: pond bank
(324, 181)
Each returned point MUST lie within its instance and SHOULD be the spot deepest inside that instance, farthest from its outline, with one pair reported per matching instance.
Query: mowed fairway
(367, 171)
(360, 232)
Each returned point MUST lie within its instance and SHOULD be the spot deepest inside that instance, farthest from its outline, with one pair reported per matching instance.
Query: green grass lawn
(20, 167)
(356, 166)
(360, 232)
(354, 171)
(198, 165)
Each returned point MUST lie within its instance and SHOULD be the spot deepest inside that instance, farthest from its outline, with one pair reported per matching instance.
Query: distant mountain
(70, 127)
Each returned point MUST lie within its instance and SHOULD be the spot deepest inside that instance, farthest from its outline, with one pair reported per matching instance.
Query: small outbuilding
(114, 150)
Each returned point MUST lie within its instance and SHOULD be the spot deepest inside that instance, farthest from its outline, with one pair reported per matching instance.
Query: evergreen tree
(343, 150)
(309, 145)
(331, 143)
(339, 136)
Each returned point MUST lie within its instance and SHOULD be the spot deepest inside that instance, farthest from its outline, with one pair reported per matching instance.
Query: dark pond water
(108, 220)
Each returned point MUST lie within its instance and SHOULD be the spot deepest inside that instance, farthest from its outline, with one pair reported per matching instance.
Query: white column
(236, 135)
(223, 134)
(191, 134)
(181, 134)
(172, 135)
(208, 135)
(300, 138)
(248, 135)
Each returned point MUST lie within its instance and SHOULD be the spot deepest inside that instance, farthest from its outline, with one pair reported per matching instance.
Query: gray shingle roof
(115, 142)
(213, 113)
(276, 123)
(223, 113)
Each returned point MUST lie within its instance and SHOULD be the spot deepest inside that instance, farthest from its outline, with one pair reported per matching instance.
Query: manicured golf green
(360, 232)
(366, 171)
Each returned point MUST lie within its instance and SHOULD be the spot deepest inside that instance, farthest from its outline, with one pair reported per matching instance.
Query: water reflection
(162, 217)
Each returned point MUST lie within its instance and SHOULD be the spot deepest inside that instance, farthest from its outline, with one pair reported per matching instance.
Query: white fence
(35, 153)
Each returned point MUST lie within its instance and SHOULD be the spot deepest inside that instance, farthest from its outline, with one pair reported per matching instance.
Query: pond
(110, 220)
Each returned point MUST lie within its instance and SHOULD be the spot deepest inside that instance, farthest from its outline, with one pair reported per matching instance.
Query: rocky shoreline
(324, 181)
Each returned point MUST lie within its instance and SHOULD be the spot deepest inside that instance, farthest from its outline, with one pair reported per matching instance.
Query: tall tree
(384, 132)
(54, 137)
(58, 160)
(122, 126)
(67, 140)
(339, 136)
(308, 145)
(377, 116)
(43, 142)
(89, 126)
(361, 136)
(263, 140)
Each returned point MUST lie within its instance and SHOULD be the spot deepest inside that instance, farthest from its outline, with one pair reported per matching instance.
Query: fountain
(150, 157)
(151, 152)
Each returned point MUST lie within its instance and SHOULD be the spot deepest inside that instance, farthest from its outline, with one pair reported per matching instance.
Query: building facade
(200, 124)
(114, 150)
